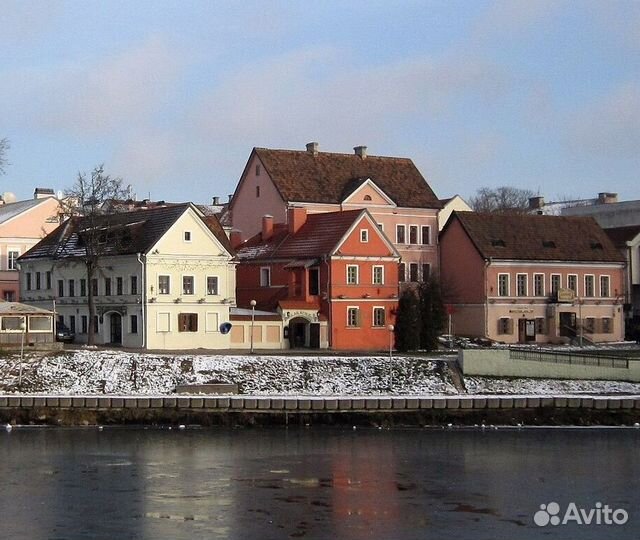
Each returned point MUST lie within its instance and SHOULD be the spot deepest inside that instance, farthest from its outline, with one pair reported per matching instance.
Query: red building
(333, 277)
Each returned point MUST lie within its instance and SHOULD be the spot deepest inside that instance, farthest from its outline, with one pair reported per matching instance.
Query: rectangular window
(607, 325)
(402, 272)
(257, 191)
(426, 272)
(119, 286)
(187, 285)
(521, 285)
(265, 276)
(538, 284)
(9, 296)
(505, 325)
(133, 324)
(212, 285)
(163, 322)
(378, 275)
(94, 286)
(258, 169)
(426, 235)
(38, 281)
(314, 281)
(48, 280)
(60, 288)
(28, 277)
(503, 285)
(164, 285)
(72, 287)
(353, 317)
(540, 325)
(12, 323)
(12, 259)
(413, 234)
(83, 287)
(378, 316)
(589, 285)
(84, 322)
(187, 322)
(556, 283)
(604, 286)
(96, 324)
(72, 323)
(572, 283)
(400, 234)
(352, 274)
(590, 325)
(211, 322)
(413, 272)
(107, 286)
(133, 284)
(187, 236)
(364, 235)
(39, 324)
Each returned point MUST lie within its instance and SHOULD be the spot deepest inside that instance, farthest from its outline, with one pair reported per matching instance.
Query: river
(317, 483)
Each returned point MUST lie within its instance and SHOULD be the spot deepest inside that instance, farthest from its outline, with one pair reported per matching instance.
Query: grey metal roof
(11, 210)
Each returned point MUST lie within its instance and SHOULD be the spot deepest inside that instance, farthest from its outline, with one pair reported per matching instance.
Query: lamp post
(390, 328)
(23, 327)
(253, 320)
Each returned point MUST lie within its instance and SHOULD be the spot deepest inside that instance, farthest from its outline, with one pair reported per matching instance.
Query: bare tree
(4, 147)
(502, 200)
(97, 234)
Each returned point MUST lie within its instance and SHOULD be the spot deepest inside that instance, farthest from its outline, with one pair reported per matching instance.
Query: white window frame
(351, 309)
(508, 291)
(559, 276)
(169, 282)
(373, 274)
(608, 291)
(160, 315)
(535, 291)
(526, 285)
(417, 229)
(15, 260)
(265, 271)
(364, 235)
(428, 228)
(569, 276)
(402, 272)
(413, 265)
(377, 309)
(207, 327)
(217, 293)
(404, 228)
(193, 283)
(357, 274)
(593, 286)
(187, 237)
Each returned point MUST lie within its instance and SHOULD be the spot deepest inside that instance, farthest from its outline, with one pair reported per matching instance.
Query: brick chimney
(312, 148)
(235, 238)
(267, 227)
(360, 151)
(216, 201)
(296, 218)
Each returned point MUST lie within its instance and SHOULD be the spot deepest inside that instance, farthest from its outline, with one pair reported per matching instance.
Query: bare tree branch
(502, 200)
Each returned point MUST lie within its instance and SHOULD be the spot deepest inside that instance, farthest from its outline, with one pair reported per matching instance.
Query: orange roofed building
(332, 276)
(532, 278)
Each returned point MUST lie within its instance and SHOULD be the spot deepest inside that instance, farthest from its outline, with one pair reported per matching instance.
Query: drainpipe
(487, 262)
(329, 305)
(143, 302)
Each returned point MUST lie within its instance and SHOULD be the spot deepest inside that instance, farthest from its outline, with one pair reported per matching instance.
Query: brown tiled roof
(326, 177)
(621, 235)
(538, 238)
(317, 237)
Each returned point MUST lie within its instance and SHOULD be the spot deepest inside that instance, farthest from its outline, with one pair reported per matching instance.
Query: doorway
(115, 323)
(568, 324)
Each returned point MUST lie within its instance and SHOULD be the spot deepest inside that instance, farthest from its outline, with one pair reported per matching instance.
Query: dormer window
(596, 245)
(497, 242)
(548, 244)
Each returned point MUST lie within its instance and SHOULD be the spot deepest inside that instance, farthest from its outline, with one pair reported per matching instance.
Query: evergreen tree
(407, 327)
(433, 317)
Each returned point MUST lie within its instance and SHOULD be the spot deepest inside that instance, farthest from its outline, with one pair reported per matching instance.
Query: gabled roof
(134, 232)
(319, 236)
(326, 177)
(621, 235)
(537, 237)
(11, 210)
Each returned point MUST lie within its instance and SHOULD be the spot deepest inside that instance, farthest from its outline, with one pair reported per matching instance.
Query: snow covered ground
(131, 373)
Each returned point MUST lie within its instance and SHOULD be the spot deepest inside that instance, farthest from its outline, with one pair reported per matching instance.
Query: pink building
(532, 278)
(392, 189)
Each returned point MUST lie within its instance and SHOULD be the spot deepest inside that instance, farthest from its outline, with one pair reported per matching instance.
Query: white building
(165, 280)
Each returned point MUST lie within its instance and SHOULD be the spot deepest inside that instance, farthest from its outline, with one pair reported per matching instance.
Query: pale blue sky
(172, 96)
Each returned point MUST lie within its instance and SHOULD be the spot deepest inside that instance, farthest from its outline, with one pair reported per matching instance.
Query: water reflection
(309, 483)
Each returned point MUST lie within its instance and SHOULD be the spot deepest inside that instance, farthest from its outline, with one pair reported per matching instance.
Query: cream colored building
(166, 280)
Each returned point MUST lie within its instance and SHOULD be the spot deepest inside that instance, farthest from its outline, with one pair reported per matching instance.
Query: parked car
(64, 334)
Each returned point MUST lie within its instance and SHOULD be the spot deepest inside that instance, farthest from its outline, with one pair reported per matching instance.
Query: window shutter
(510, 326)
(194, 322)
(182, 322)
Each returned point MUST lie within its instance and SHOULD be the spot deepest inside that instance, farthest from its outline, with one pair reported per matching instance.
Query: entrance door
(526, 330)
(115, 322)
(568, 324)
(314, 337)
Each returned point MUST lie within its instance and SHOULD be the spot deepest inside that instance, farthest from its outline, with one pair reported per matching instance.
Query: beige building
(166, 279)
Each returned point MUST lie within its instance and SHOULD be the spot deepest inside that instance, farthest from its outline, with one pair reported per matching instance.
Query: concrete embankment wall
(368, 411)
(498, 363)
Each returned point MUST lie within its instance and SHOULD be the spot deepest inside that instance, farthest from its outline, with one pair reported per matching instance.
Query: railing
(569, 357)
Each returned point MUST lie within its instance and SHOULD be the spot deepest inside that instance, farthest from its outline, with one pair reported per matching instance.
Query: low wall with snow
(498, 363)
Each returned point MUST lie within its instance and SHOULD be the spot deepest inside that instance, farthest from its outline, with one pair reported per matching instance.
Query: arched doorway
(115, 329)
(304, 333)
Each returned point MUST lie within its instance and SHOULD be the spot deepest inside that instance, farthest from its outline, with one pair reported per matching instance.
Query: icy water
(314, 483)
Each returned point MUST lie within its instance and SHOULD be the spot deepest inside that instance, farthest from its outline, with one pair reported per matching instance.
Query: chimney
(235, 238)
(230, 197)
(42, 193)
(312, 148)
(607, 198)
(216, 201)
(536, 203)
(267, 227)
(296, 218)
(360, 151)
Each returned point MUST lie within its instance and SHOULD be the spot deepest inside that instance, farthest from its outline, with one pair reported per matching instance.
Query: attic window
(367, 197)
(596, 245)
(548, 243)
(258, 170)
(497, 242)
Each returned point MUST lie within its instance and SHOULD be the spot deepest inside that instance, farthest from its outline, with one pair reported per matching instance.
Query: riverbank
(357, 411)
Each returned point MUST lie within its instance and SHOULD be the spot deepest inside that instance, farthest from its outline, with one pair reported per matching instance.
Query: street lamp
(390, 328)
(23, 327)
(253, 320)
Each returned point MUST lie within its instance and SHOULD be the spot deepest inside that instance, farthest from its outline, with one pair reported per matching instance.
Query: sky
(172, 96)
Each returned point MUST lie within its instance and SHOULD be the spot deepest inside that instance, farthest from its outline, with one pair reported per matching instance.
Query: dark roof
(327, 177)
(621, 235)
(318, 236)
(125, 233)
(537, 237)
